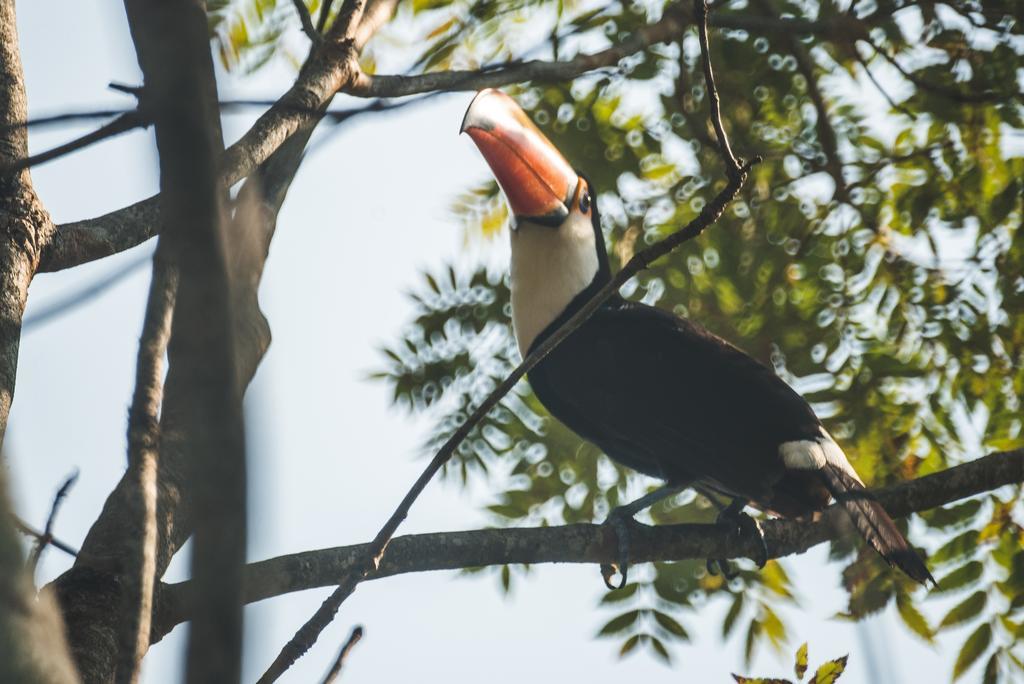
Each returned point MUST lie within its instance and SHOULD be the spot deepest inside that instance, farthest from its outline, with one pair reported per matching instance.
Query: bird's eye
(585, 202)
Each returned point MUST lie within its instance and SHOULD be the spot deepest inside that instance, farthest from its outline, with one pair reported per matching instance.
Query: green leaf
(950, 516)
(753, 631)
(829, 671)
(800, 667)
(959, 547)
(620, 594)
(961, 577)
(660, 650)
(730, 617)
(619, 623)
(506, 578)
(991, 675)
(630, 644)
(972, 649)
(671, 626)
(759, 680)
(913, 618)
(966, 610)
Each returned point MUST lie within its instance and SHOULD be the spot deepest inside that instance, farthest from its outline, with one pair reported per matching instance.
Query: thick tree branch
(307, 635)
(585, 543)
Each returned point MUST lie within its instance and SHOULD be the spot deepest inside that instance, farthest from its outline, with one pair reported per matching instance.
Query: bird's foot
(620, 521)
(741, 524)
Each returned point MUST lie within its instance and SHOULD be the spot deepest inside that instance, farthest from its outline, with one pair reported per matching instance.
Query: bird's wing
(668, 398)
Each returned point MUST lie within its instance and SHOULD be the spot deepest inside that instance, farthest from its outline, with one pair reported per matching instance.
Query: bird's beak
(537, 180)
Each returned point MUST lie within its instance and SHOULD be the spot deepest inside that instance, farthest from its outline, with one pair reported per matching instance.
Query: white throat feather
(550, 266)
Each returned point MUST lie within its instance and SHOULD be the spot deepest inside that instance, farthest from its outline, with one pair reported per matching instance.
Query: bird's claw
(742, 524)
(714, 565)
(620, 525)
(608, 571)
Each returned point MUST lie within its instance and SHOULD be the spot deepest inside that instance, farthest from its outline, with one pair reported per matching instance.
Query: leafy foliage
(827, 673)
(875, 261)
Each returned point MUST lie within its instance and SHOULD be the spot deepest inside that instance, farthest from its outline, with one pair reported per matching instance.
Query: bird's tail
(874, 524)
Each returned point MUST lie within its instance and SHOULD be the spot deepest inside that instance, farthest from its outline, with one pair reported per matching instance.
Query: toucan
(655, 391)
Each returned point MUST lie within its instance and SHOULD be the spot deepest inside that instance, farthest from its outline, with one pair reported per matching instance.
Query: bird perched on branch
(656, 392)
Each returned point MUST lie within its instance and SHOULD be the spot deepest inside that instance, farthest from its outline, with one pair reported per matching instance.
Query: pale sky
(329, 459)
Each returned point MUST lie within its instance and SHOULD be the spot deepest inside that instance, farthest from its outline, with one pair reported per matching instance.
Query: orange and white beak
(537, 180)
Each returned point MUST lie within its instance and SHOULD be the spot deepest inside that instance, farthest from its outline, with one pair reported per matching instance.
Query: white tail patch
(815, 454)
(550, 266)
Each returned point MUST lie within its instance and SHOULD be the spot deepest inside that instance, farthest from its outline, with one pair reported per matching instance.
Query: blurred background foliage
(875, 259)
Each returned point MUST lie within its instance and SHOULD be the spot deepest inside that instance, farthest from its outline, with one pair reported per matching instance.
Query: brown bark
(32, 645)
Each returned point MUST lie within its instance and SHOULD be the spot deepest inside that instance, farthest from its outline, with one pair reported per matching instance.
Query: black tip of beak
(466, 124)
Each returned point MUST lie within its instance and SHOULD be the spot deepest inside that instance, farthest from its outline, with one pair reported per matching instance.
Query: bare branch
(325, 13)
(535, 70)
(586, 543)
(121, 124)
(27, 529)
(954, 94)
(353, 639)
(378, 13)
(307, 22)
(46, 537)
(732, 166)
(143, 462)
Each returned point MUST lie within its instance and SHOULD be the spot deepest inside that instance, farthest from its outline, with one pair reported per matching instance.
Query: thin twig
(307, 22)
(46, 538)
(30, 531)
(878, 86)
(353, 639)
(121, 124)
(306, 636)
(732, 165)
(325, 13)
(951, 93)
(143, 462)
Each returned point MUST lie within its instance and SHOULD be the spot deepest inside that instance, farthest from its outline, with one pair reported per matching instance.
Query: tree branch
(307, 22)
(46, 538)
(666, 29)
(30, 531)
(123, 123)
(330, 66)
(353, 639)
(143, 464)
(588, 543)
